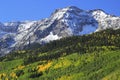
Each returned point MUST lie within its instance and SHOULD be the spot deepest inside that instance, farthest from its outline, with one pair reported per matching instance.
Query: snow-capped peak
(59, 13)
(63, 22)
(99, 14)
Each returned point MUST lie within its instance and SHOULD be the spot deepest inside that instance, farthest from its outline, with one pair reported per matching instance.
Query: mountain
(94, 56)
(63, 22)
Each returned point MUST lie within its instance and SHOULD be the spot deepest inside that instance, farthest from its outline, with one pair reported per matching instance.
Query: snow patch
(87, 29)
(50, 37)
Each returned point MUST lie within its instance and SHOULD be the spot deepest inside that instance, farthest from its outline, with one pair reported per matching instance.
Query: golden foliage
(6, 78)
(62, 63)
(21, 52)
(13, 75)
(20, 67)
(44, 67)
(2, 75)
(104, 79)
(65, 78)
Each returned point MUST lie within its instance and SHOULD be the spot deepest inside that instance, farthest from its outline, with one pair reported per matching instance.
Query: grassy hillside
(104, 65)
(89, 57)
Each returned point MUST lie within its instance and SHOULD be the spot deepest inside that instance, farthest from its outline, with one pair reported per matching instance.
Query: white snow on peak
(25, 26)
(87, 29)
(50, 37)
(59, 13)
(99, 15)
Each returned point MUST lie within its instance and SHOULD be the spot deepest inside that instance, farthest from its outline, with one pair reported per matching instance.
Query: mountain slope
(62, 23)
(89, 57)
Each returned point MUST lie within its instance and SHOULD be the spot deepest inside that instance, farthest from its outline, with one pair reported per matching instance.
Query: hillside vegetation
(88, 57)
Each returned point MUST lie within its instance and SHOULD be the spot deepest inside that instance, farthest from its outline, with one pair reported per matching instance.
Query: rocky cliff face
(63, 22)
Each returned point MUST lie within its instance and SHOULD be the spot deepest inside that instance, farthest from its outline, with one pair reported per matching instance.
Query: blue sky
(20, 10)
